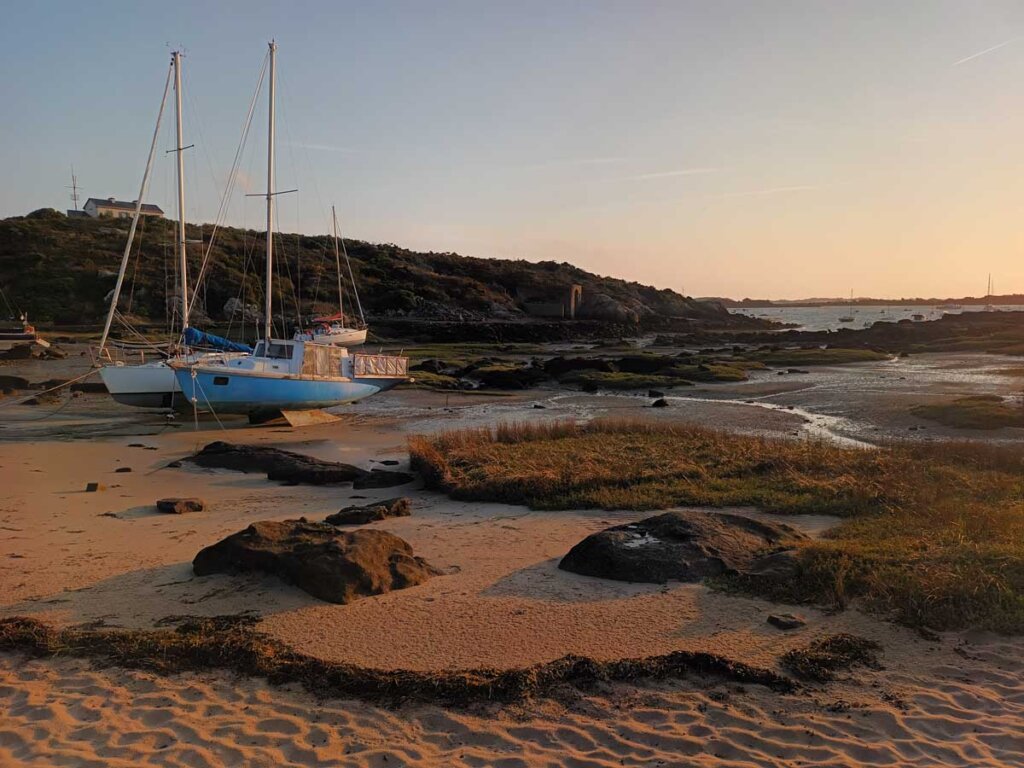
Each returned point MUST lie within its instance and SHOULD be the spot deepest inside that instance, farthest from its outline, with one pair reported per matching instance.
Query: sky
(718, 148)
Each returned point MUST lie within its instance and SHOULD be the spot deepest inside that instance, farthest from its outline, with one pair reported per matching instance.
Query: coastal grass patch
(708, 372)
(620, 380)
(816, 356)
(932, 533)
(974, 412)
(462, 354)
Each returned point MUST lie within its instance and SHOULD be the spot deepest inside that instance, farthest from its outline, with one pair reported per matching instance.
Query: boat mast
(351, 275)
(337, 262)
(268, 319)
(135, 220)
(182, 261)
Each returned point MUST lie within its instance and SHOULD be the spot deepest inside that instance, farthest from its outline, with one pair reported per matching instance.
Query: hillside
(61, 269)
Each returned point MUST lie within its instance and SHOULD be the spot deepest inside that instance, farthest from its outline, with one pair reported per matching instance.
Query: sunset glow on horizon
(735, 149)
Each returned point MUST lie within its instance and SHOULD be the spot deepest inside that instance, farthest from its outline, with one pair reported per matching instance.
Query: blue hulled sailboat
(283, 375)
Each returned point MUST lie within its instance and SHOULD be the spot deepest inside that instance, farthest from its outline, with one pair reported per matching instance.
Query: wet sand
(70, 557)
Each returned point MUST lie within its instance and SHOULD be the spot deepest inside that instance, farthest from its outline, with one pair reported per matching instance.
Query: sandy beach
(108, 559)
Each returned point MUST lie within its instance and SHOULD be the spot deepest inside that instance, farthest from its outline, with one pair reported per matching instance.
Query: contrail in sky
(987, 50)
(770, 191)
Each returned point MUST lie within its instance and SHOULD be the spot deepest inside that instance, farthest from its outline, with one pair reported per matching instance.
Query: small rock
(123, 469)
(661, 402)
(538, 405)
(356, 515)
(180, 506)
(136, 445)
(389, 462)
(786, 621)
(92, 487)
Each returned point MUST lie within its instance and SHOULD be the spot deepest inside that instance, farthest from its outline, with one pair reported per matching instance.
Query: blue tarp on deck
(196, 338)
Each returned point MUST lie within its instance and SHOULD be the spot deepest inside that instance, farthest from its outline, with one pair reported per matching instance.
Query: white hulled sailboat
(153, 384)
(338, 329)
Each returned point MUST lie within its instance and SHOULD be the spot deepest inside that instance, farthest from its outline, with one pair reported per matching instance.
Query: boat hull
(152, 385)
(228, 391)
(343, 337)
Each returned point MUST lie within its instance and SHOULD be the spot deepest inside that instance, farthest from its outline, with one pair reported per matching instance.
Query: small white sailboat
(282, 376)
(848, 318)
(337, 329)
(152, 384)
(988, 295)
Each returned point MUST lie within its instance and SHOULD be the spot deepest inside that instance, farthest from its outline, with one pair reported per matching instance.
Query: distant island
(1006, 299)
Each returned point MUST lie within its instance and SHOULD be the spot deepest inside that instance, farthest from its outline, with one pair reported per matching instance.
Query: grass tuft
(823, 657)
(975, 412)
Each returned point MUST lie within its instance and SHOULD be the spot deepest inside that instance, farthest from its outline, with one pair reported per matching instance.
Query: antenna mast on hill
(74, 188)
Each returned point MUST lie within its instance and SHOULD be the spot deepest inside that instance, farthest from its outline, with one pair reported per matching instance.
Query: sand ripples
(66, 713)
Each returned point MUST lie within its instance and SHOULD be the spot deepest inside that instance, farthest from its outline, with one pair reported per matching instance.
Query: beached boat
(338, 329)
(152, 384)
(330, 331)
(287, 375)
(26, 334)
(284, 375)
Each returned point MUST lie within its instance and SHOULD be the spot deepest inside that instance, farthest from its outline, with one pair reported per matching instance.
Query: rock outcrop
(368, 513)
(332, 565)
(294, 468)
(686, 546)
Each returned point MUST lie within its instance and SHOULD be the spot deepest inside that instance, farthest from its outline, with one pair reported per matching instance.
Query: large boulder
(434, 365)
(508, 376)
(336, 566)
(294, 468)
(379, 510)
(686, 546)
(559, 366)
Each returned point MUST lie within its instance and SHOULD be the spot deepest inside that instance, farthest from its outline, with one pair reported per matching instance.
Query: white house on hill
(96, 208)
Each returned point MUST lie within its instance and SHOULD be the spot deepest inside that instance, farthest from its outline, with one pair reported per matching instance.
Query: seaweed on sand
(232, 644)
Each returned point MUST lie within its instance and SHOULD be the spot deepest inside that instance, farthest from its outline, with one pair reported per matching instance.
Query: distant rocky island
(995, 300)
(61, 270)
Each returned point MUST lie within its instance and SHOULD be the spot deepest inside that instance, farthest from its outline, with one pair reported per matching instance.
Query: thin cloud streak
(987, 50)
(769, 191)
(669, 174)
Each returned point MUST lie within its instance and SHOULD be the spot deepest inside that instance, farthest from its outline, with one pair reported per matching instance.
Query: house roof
(121, 205)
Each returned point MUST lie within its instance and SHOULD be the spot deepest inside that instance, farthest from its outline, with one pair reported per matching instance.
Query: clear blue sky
(773, 149)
